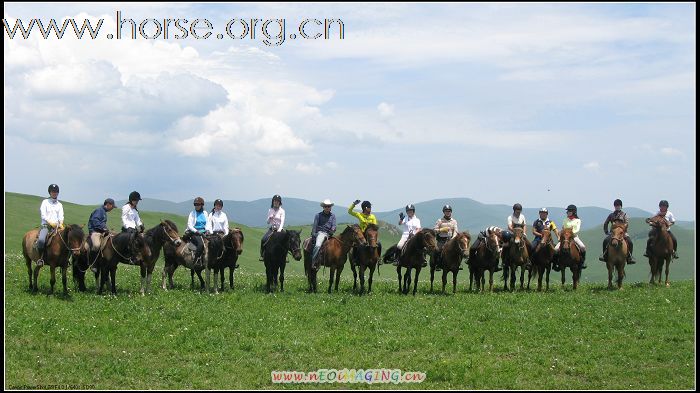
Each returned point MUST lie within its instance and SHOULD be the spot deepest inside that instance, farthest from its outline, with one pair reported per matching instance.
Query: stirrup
(40, 262)
(675, 255)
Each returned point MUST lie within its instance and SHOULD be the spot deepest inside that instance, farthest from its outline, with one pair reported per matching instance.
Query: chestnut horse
(617, 254)
(481, 259)
(542, 259)
(661, 248)
(517, 255)
(569, 256)
(367, 257)
(413, 257)
(333, 253)
(453, 252)
(57, 250)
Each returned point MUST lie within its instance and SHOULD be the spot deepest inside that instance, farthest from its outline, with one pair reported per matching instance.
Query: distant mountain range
(470, 214)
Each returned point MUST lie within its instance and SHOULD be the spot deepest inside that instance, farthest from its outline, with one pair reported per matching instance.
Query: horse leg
(407, 281)
(192, 278)
(35, 285)
(610, 273)
(415, 281)
(337, 277)
(371, 274)
(398, 272)
(29, 271)
(143, 279)
(432, 276)
(216, 280)
(563, 272)
(231, 269)
(362, 279)
(549, 269)
(282, 267)
(53, 278)
(512, 278)
(64, 279)
(444, 280)
(668, 264)
(522, 277)
(354, 277)
(620, 274)
(491, 280)
(454, 280)
(113, 276)
(471, 279)
(330, 279)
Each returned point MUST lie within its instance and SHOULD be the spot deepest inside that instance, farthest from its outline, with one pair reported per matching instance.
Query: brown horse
(233, 247)
(661, 248)
(123, 248)
(517, 255)
(57, 250)
(183, 255)
(413, 257)
(483, 258)
(542, 259)
(617, 254)
(333, 253)
(453, 252)
(367, 257)
(569, 256)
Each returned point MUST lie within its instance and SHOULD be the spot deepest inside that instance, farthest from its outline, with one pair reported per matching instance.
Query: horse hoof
(668, 284)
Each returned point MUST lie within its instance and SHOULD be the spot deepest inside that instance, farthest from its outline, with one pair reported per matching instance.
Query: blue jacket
(323, 223)
(98, 220)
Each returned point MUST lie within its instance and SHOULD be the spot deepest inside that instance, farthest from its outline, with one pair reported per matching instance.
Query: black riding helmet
(446, 207)
(572, 208)
(366, 204)
(663, 203)
(53, 188)
(517, 206)
(410, 207)
(199, 200)
(276, 197)
(219, 202)
(617, 202)
(134, 196)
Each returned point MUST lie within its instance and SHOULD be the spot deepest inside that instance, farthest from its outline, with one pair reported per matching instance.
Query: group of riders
(201, 223)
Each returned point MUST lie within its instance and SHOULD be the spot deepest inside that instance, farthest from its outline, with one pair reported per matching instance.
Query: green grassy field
(639, 338)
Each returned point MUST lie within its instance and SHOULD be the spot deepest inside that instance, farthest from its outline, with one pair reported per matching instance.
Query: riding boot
(583, 260)
(675, 254)
(630, 259)
(603, 257)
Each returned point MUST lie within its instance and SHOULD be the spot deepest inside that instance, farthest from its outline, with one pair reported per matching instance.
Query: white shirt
(219, 222)
(411, 225)
(192, 220)
(276, 218)
(130, 217)
(51, 211)
(520, 220)
(669, 216)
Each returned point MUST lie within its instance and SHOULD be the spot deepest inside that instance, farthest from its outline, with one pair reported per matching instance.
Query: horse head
(618, 234)
(358, 239)
(428, 239)
(463, 240)
(372, 235)
(294, 243)
(236, 239)
(547, 240)
(170, 230)
(566, 238)
(75, 239)
(139, 248)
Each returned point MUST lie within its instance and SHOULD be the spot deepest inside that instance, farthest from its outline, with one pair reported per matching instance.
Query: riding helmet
(447, 207)
(276, 198)
(410, 207)
(617, 202)
(53, 188)
(199, 200)
(663, 203)
(134, 196)
(365, 205)
(219, 202)
(572, 208)
(517, 206)
(544, 210)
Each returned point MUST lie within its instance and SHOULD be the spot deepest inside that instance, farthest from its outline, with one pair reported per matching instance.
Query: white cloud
(671, 152)
(592, 166)
(385, 110)
(308, 169)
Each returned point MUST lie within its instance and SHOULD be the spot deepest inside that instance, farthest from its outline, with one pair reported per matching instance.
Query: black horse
(275, 256)
(125, 247)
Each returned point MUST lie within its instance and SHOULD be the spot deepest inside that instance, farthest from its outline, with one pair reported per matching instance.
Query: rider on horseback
(663, 212)
(517, 220)
(540, 225)
(198, 224)
(218, 220)
(411, 227)
(323, 228)
(571, 221)
(617, 216)
(51, 211)
(446, 229)
(503, 237)
(275, 219)
(131, 222)
(97, 226)
(365, 218)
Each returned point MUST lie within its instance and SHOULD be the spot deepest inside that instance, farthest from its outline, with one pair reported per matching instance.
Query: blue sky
(542, 104)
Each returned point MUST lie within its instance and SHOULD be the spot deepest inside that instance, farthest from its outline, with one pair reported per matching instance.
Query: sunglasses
(199, 204)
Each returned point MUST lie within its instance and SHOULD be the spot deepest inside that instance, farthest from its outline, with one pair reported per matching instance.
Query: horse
(518, 256)
(452, 253)
(183, 255)
(367, 257)
(57, 250)
(233, 247)
(155, 238)
(215, 249)
(333, 253)
(661, 248)
(542, 259)
(569, 256)
(617, 254)
(275, 256)
(413, 257)
(123, 248)
(481, 259)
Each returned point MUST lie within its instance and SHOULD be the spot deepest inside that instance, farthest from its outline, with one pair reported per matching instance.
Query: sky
(541, 104)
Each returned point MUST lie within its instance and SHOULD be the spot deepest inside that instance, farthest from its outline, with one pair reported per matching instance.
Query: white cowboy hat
(326, 202)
